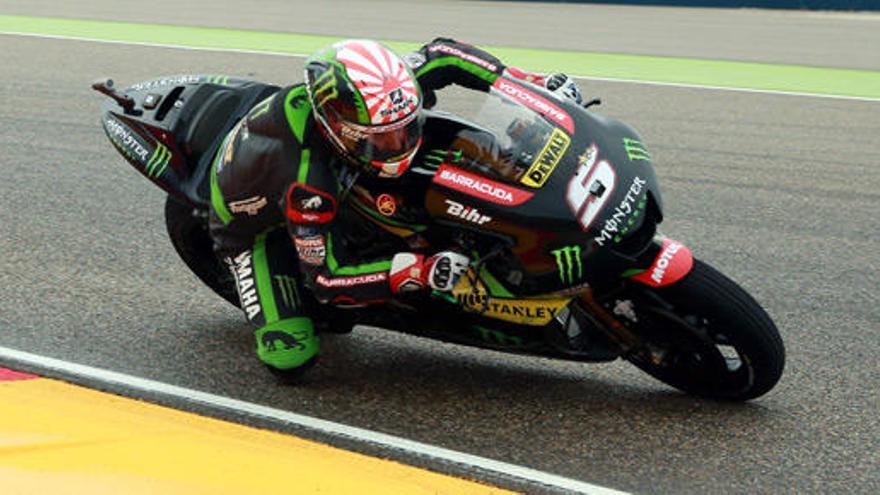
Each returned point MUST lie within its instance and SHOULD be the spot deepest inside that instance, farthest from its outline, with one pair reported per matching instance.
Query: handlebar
(105, 86)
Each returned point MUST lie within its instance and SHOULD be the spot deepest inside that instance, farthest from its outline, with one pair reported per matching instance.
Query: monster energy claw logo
(435, 158)
(158, 161)
(325, 88)
(289, 294)
(224, 80)
(566, 259)
(635, 150)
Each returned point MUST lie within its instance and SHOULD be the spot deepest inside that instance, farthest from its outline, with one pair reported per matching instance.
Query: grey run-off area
(779, 192)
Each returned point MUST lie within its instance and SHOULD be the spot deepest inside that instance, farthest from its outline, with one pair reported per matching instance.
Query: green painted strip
(716, 73)
(264, 280)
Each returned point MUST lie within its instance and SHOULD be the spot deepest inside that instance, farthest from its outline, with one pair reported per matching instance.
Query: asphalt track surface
(779, 192)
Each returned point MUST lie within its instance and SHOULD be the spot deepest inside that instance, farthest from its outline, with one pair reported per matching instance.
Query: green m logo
(635, 150)
(567, 258)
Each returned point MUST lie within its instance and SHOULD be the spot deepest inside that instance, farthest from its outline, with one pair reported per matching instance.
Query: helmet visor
(380, 143)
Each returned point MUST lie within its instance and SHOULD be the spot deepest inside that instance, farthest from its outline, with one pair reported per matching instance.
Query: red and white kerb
(382, 78)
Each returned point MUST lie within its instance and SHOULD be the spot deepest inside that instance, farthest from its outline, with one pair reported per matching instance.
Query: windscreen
(506, 140)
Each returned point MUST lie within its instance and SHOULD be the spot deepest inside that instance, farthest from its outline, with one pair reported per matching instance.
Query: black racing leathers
(276, 169)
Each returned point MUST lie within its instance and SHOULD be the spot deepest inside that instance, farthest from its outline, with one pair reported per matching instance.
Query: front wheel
(706, 336)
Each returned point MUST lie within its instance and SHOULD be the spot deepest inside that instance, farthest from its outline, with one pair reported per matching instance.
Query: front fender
(673, 261)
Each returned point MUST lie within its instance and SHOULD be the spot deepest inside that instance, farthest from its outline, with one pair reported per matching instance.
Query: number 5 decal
(590, 188)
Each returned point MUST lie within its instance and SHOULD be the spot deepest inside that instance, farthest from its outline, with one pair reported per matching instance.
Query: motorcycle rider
(279, 174)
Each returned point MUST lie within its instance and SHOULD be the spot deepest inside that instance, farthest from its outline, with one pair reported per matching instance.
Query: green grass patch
(729, 74)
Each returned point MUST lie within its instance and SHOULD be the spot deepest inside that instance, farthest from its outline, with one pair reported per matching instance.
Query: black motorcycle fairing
(176, 125)
(539, 235)
(536, 248)
(556, 240)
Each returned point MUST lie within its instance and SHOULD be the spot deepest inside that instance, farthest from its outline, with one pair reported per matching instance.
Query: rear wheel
(188, 230)
(706, 336)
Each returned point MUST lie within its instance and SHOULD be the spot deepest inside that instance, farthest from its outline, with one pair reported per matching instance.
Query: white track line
(11, 357)
(302, 55)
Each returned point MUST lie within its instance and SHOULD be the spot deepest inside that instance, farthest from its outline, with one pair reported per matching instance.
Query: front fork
(672, 262)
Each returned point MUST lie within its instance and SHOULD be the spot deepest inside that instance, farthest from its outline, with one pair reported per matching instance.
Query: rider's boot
(288, 347)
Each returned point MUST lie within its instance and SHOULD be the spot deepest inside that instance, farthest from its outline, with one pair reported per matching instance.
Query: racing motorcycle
(562, 231)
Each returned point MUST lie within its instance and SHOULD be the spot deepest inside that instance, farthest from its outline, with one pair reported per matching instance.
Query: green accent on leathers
(264, 280)
(217, 201)
(303, 173)
(335, 269)
(287, 344)
(297, 116)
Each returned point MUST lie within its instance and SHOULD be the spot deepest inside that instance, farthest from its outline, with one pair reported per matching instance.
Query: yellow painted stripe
(61, 438)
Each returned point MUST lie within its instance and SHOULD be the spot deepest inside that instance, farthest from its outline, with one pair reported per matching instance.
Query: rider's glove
(411, 272)
(564, 86)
